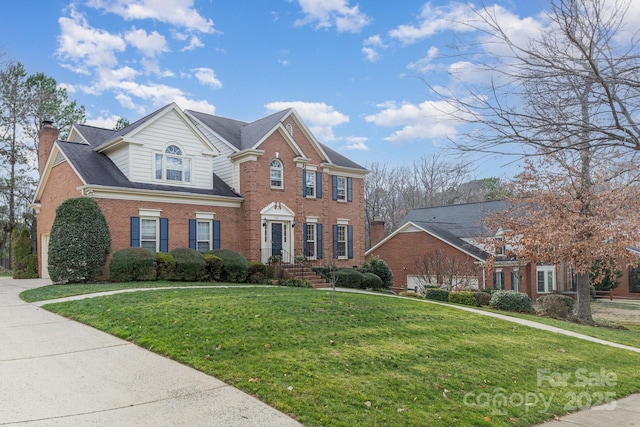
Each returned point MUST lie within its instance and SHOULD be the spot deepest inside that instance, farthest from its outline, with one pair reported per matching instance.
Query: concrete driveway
(57, 372)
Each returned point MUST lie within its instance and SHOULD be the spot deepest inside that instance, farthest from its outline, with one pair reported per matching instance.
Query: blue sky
(355, 72)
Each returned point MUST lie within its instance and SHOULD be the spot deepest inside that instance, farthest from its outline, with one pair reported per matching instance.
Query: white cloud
(106, 120)
(207, 77)
(150, 44)
(329, 13)
(318, 116)
(194, 43)
(425, 64)
(371, 47)
(432, 20)
(427, 120)
(180, 13)
(356, 143)
(91, 47)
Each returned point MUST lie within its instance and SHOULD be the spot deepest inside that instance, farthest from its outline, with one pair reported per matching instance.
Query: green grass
(366, 360)
(61, 291)
(604, 330)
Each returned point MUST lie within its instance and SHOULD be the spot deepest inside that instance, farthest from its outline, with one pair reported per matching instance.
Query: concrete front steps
(305, 272)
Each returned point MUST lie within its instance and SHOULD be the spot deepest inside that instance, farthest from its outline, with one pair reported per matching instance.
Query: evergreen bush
(371, 281)
(165, 266)
(380, 268)
(79, 243)
(437, 294)
(23, 261)
(132, 264)
(511, 301)
(463, 297)
(234, 265)
(190, 265)
(213, 266)
(348, 278)
(256, 272)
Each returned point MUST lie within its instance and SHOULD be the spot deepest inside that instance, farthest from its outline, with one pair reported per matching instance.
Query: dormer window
(173, 166)
(276, 174)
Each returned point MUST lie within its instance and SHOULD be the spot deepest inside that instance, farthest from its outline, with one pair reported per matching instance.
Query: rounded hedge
(380, 268)
(79, 242)
(165, 265)
(556, 306)
(212, 267)
(348, 278)
(511, 301)
(234, 265)
(463, 297)
(436, 294)
(190, 265)
(132, 264)
(371, 281)
(256, 272)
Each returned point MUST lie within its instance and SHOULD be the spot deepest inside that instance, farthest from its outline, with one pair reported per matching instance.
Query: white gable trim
(216, 134)
(410, 227)
(75, 131)
(173, 107)
(162, 196)
(312, 139)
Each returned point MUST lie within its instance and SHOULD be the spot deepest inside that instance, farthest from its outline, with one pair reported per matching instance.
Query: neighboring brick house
(447, 245)
(187, 179)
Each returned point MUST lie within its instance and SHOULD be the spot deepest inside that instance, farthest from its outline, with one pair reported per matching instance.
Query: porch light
(264, 222)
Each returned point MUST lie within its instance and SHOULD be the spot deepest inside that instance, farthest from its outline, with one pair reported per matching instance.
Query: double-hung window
(310, 248)
(149, 234)
(310, 184)
(342, 241)
(546, 278)
(203, 236)
(342, 188)
(172, 165)
(276, 174)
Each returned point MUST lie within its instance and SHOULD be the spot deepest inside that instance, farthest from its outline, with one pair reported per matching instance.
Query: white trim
(342, 221)
(119, 193)
(153, 213)
(205, 215)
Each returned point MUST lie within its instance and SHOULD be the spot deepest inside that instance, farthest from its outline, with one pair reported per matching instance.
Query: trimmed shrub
(411, 294)
(556, 306)
(23, 261)
(483, 298)
(295, 283)
(256, 272)
(79, 242)
(371, 280)
(132, 264)
(212, 266)
(463, 297)
(348, 278)
(165, 265)
(491, 291)
(437, 294)
(189, 265)
(234, 265)
(380, 268)
(511, 301)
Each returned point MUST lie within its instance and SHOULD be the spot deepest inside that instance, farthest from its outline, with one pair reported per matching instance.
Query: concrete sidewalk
(57, 372)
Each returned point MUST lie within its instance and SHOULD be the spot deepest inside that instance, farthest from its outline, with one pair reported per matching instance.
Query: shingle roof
(245, 135)
(97, 169)
(455, 223)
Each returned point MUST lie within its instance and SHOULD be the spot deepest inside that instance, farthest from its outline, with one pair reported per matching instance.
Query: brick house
(187, 179)
(447, 245)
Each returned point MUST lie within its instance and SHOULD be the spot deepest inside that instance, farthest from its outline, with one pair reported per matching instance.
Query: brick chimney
(46, 137)
(376, 230)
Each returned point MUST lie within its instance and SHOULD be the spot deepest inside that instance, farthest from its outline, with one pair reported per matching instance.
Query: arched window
(276, 174)
(172, 165)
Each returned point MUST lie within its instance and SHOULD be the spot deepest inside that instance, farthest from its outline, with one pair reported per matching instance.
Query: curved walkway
(57, 372)
(120, 383)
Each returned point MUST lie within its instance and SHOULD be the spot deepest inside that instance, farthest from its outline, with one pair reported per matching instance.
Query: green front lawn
(367, 360)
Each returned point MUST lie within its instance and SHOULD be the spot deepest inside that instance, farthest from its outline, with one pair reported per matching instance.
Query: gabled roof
(245, 135)
(452, 224)
(96, 168)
